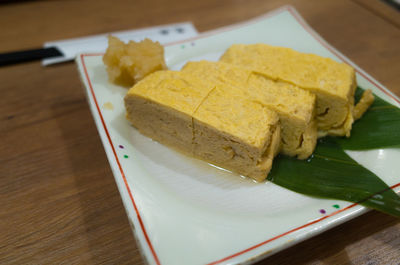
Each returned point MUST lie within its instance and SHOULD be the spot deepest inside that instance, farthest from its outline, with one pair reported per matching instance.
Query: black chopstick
(28, 55)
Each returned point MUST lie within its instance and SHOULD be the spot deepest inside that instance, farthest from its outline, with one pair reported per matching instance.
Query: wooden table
(59, 202)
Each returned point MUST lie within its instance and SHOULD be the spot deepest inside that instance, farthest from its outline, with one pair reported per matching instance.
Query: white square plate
(185, 211)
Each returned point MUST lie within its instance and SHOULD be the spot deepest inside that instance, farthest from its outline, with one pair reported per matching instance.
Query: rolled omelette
(217, 123)
(294, 106)
(332, 82)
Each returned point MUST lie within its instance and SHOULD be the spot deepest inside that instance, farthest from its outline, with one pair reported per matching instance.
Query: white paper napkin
(98, 43)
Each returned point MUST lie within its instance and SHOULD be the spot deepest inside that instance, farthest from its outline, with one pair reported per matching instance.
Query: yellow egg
(294, 106)
(332, 82)
(215, 122)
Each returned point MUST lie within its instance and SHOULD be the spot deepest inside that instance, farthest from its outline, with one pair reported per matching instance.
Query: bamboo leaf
(378, 128)
(331, 173)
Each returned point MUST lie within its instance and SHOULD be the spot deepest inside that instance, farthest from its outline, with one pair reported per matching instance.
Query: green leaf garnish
(378, 128)
(331, 173)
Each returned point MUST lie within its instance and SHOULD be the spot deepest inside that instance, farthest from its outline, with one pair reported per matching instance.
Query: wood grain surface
(59, 201)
